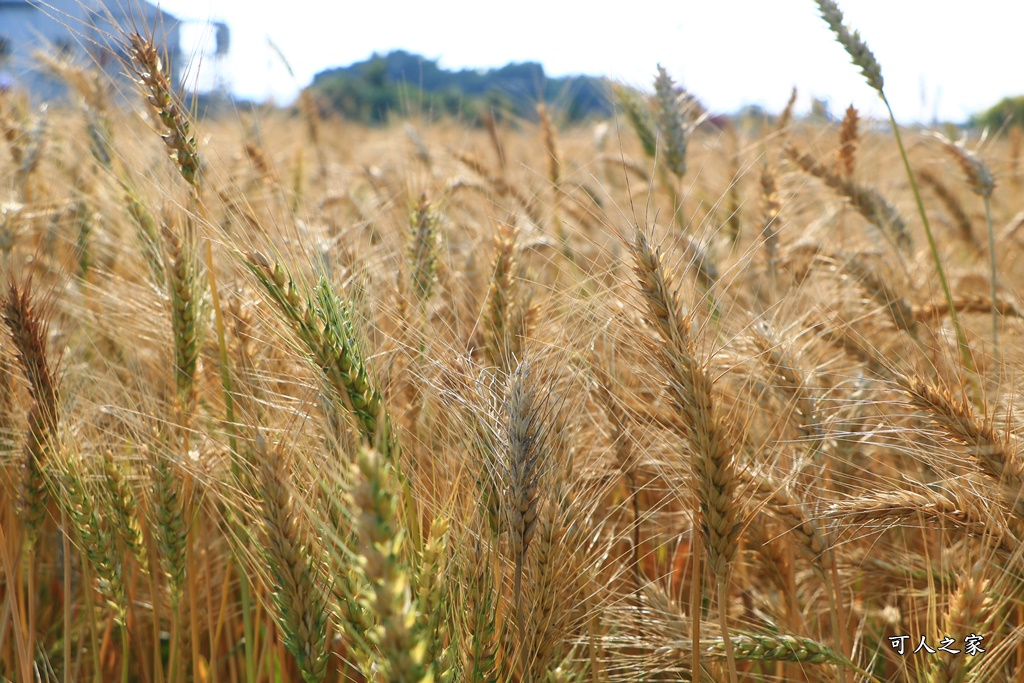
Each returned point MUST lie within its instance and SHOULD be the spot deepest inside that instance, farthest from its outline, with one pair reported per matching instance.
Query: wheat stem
(961, 336)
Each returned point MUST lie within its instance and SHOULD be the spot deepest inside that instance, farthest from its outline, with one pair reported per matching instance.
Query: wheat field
(285, 398)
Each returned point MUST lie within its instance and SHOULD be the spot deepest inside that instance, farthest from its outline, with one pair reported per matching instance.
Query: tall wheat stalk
(698, 419)
(862, 56)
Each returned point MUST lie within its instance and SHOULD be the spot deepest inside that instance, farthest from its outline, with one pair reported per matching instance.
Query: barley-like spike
(28, 331)
(299, 598)
(554, 588)
(499, 346)
(909, 506)
(502, 187)
(854, 45)
(432, 599)
(639, 118)
(148, 237)
(769, 647)
(734, 208)
(674, 116)
(975, 170)
(323, 324)
(399, 649)
(970, 607)
(787, 113)
(526, 445)
(470, 398)
(91, 534)
(349, 373)
(991, 450)
(550, 147)
(867, 201)
(7, 420)
(794, 383)
(785, 505)
(770, 214)
(848, 142)
(186, 321)
(481, 599)
(953, 206)
(171, 527)
(121, 499)
(424, 223)
(697, 416)
(899, 310)
(156, 86)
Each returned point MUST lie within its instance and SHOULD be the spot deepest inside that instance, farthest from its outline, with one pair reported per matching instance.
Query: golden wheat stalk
(697, 418)
(27, 327)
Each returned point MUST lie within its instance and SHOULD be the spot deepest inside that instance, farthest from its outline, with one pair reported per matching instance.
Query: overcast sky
(941, 59)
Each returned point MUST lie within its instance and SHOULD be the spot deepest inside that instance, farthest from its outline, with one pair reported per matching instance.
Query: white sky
(938, 58)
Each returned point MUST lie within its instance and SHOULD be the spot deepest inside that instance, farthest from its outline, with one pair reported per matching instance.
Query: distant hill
(403, 83)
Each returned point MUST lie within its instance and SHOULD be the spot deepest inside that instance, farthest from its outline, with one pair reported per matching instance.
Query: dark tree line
(401, 83)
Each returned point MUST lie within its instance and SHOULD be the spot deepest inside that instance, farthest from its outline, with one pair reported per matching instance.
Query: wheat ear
(953, 206)
(847, 154)
(484, 625)
(854, 45)
(940, 507)
(508, 314)
(970, 608)
(121, 501)
(168, 510)
(400, 652)
(770, 647)
(424, 223)
(156, 84)
(7, 419)
(28, 329)
(867, 201)
(771, 221)
(185, 298)
(991, 450)
(674, 117)
(91, 534)
(525, 458)
(896, 306)
(300, 600)
(697, 417)
(786, 117)
(433, 602)
(981, 182)
(639, 118)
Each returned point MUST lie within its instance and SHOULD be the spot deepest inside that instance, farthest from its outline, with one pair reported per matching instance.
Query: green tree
(1009, 110)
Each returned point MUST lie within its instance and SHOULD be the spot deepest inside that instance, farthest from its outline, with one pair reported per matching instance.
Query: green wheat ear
(854, 45)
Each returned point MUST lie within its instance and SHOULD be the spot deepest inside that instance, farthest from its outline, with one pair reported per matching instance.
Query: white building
(85, 31)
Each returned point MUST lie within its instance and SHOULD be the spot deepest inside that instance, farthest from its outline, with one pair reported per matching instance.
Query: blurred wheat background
(659, 398)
